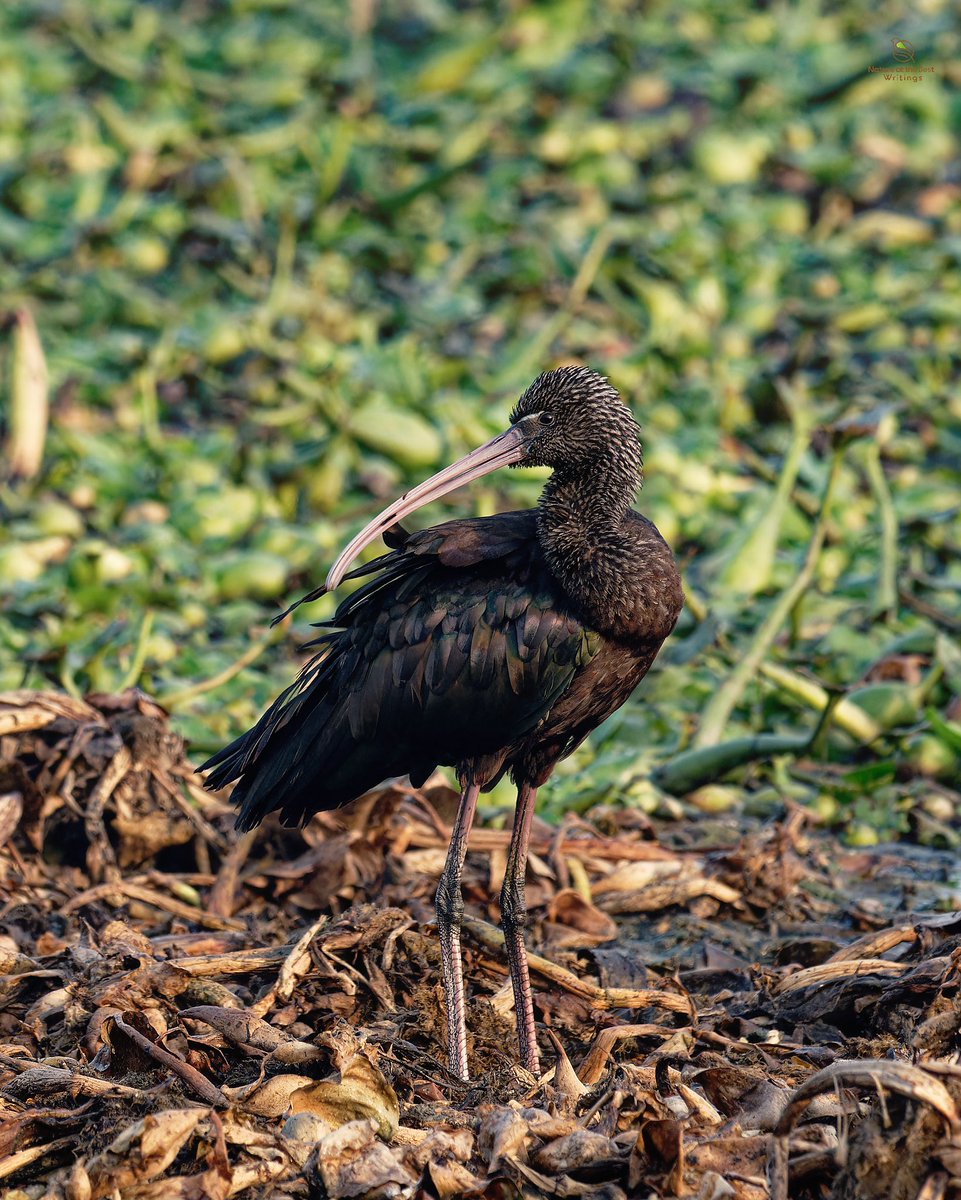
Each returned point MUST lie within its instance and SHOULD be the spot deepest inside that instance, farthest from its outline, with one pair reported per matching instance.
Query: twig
(133, 891)
(11, 1163)
(290, 970)
(834, 969)
(595, 847)
(190, 811)
(100, 856)
(595, 1060)
(190, 1075)
(41, 1081)
(174, 700)
(222, 896)
(600, 997)
(240, 962)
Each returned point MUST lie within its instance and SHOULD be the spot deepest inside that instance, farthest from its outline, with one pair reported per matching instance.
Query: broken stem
(719, 709)
(174, 700)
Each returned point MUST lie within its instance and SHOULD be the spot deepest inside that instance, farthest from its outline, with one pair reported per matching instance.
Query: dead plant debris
(734, 1010)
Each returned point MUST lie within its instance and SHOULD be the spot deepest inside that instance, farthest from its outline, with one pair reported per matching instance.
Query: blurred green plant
(282, 263)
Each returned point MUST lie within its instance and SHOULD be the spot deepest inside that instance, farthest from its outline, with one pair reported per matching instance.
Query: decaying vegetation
(732, 1009)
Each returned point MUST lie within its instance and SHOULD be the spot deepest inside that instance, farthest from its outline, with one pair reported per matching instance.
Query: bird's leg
(514, 921)
(450, 913)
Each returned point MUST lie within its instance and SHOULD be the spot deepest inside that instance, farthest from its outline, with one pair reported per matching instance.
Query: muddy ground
(727, 1007)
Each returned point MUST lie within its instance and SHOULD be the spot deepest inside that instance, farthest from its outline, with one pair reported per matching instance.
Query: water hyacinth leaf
(948, 654)
(250, 573)
(931, 755)
(731, 158)
(404, 435)
(888, 704)
(235, 262)
(228, 513)
(948, 731)
(449, 67)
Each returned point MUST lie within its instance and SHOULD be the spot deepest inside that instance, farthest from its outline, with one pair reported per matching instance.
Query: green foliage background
(286, 258)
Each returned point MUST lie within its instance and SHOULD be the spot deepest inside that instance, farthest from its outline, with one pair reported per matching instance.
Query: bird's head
(573, 418)
(570, 419)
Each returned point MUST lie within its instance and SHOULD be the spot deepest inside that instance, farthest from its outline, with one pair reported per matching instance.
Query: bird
(492, 645)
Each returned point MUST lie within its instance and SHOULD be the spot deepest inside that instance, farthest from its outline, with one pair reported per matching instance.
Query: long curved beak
(501, 451)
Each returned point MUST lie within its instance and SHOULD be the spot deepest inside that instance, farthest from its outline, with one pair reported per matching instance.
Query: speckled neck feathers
(596, 545)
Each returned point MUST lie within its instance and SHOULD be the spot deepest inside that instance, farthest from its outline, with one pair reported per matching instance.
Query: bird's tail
(301, 740)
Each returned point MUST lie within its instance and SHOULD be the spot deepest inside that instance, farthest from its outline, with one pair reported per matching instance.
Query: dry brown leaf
(362, 1092)
(576, 1150)
(907, 1080)
(141, 837)
(761, 1107)
(294, 1052)
(502, 1137)
(119, 939)
(454, 1143)
(547, 1125)
(143, 1150)
(736, 1155)
(724, 1086)
(566, 1082)
(716, 1187)
(352, 1162)
(569, 908)
(11, 810)
(216, 1183)
(703, 1110)
(547, 1185)
(305, 1127)
(238, 1026)
(443, 1154)
(269, 1098)
(451, 1178)
(663, 1141)
(636, 875)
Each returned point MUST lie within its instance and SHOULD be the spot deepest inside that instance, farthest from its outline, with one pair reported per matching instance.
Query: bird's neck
(580, 525)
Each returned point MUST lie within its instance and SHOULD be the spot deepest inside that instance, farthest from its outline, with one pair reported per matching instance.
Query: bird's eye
(547, 418)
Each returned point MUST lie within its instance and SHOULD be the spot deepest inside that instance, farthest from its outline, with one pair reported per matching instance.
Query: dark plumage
(491, 645)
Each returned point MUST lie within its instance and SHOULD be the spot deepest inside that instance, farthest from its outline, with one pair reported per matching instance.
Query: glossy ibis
(491, 644)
